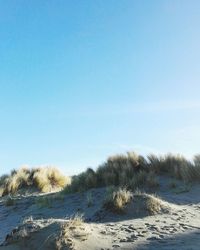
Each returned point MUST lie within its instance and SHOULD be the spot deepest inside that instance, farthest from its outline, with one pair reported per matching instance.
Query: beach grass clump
(47, 179)
(122, 170)
(118, 170)
(17, 179)
(44, 179)
(176, 166)
(117, 199)
(154, 205)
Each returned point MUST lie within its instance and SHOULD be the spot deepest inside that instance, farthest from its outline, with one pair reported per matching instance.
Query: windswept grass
(175, 166)
(49, 178)
(153, 204)
(135, 171)
(17, 179)
(128, 170)
(44, 179)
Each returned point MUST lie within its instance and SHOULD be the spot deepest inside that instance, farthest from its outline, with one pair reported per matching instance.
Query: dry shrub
(116, 200)
(72, 229)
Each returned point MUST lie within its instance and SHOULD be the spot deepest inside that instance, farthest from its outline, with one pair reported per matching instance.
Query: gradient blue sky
(80, 80)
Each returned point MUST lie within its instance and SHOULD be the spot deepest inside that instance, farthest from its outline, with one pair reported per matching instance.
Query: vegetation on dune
(129, 170)
(117, 199)
(49, 178)
(149, 204)
(134, 171)
(176, 166)
(44, 179)
(72, 229)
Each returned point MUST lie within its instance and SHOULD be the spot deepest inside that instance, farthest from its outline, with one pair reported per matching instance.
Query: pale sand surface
(178, 228)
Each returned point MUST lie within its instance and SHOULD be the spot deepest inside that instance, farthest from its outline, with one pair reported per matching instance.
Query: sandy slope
(177, 229)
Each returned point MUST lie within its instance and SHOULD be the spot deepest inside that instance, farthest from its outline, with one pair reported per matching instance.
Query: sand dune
(174, 226)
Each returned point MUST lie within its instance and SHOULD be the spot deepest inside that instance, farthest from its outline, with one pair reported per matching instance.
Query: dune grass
(129, 170)
(48, 179)
(44, 179)
(153, 204)
(125, 170)
(135, 171)
(117, 199)
(72, 229)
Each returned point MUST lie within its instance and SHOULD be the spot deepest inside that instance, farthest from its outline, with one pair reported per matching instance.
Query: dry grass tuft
(72, 229)
(116, 200)
(17, 179)
(148, 204)
(174, 165)
(154, 205)
(48, 179)
(44, 179)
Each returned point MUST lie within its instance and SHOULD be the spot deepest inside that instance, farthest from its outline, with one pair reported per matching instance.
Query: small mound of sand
(140, 205)
(144, 204)
(21, 235)
(47, 234)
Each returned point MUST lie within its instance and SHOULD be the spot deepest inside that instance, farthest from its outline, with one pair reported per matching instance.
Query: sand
(178, 227)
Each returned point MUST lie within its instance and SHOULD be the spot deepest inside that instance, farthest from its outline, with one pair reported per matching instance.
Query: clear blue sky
(81, 80)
